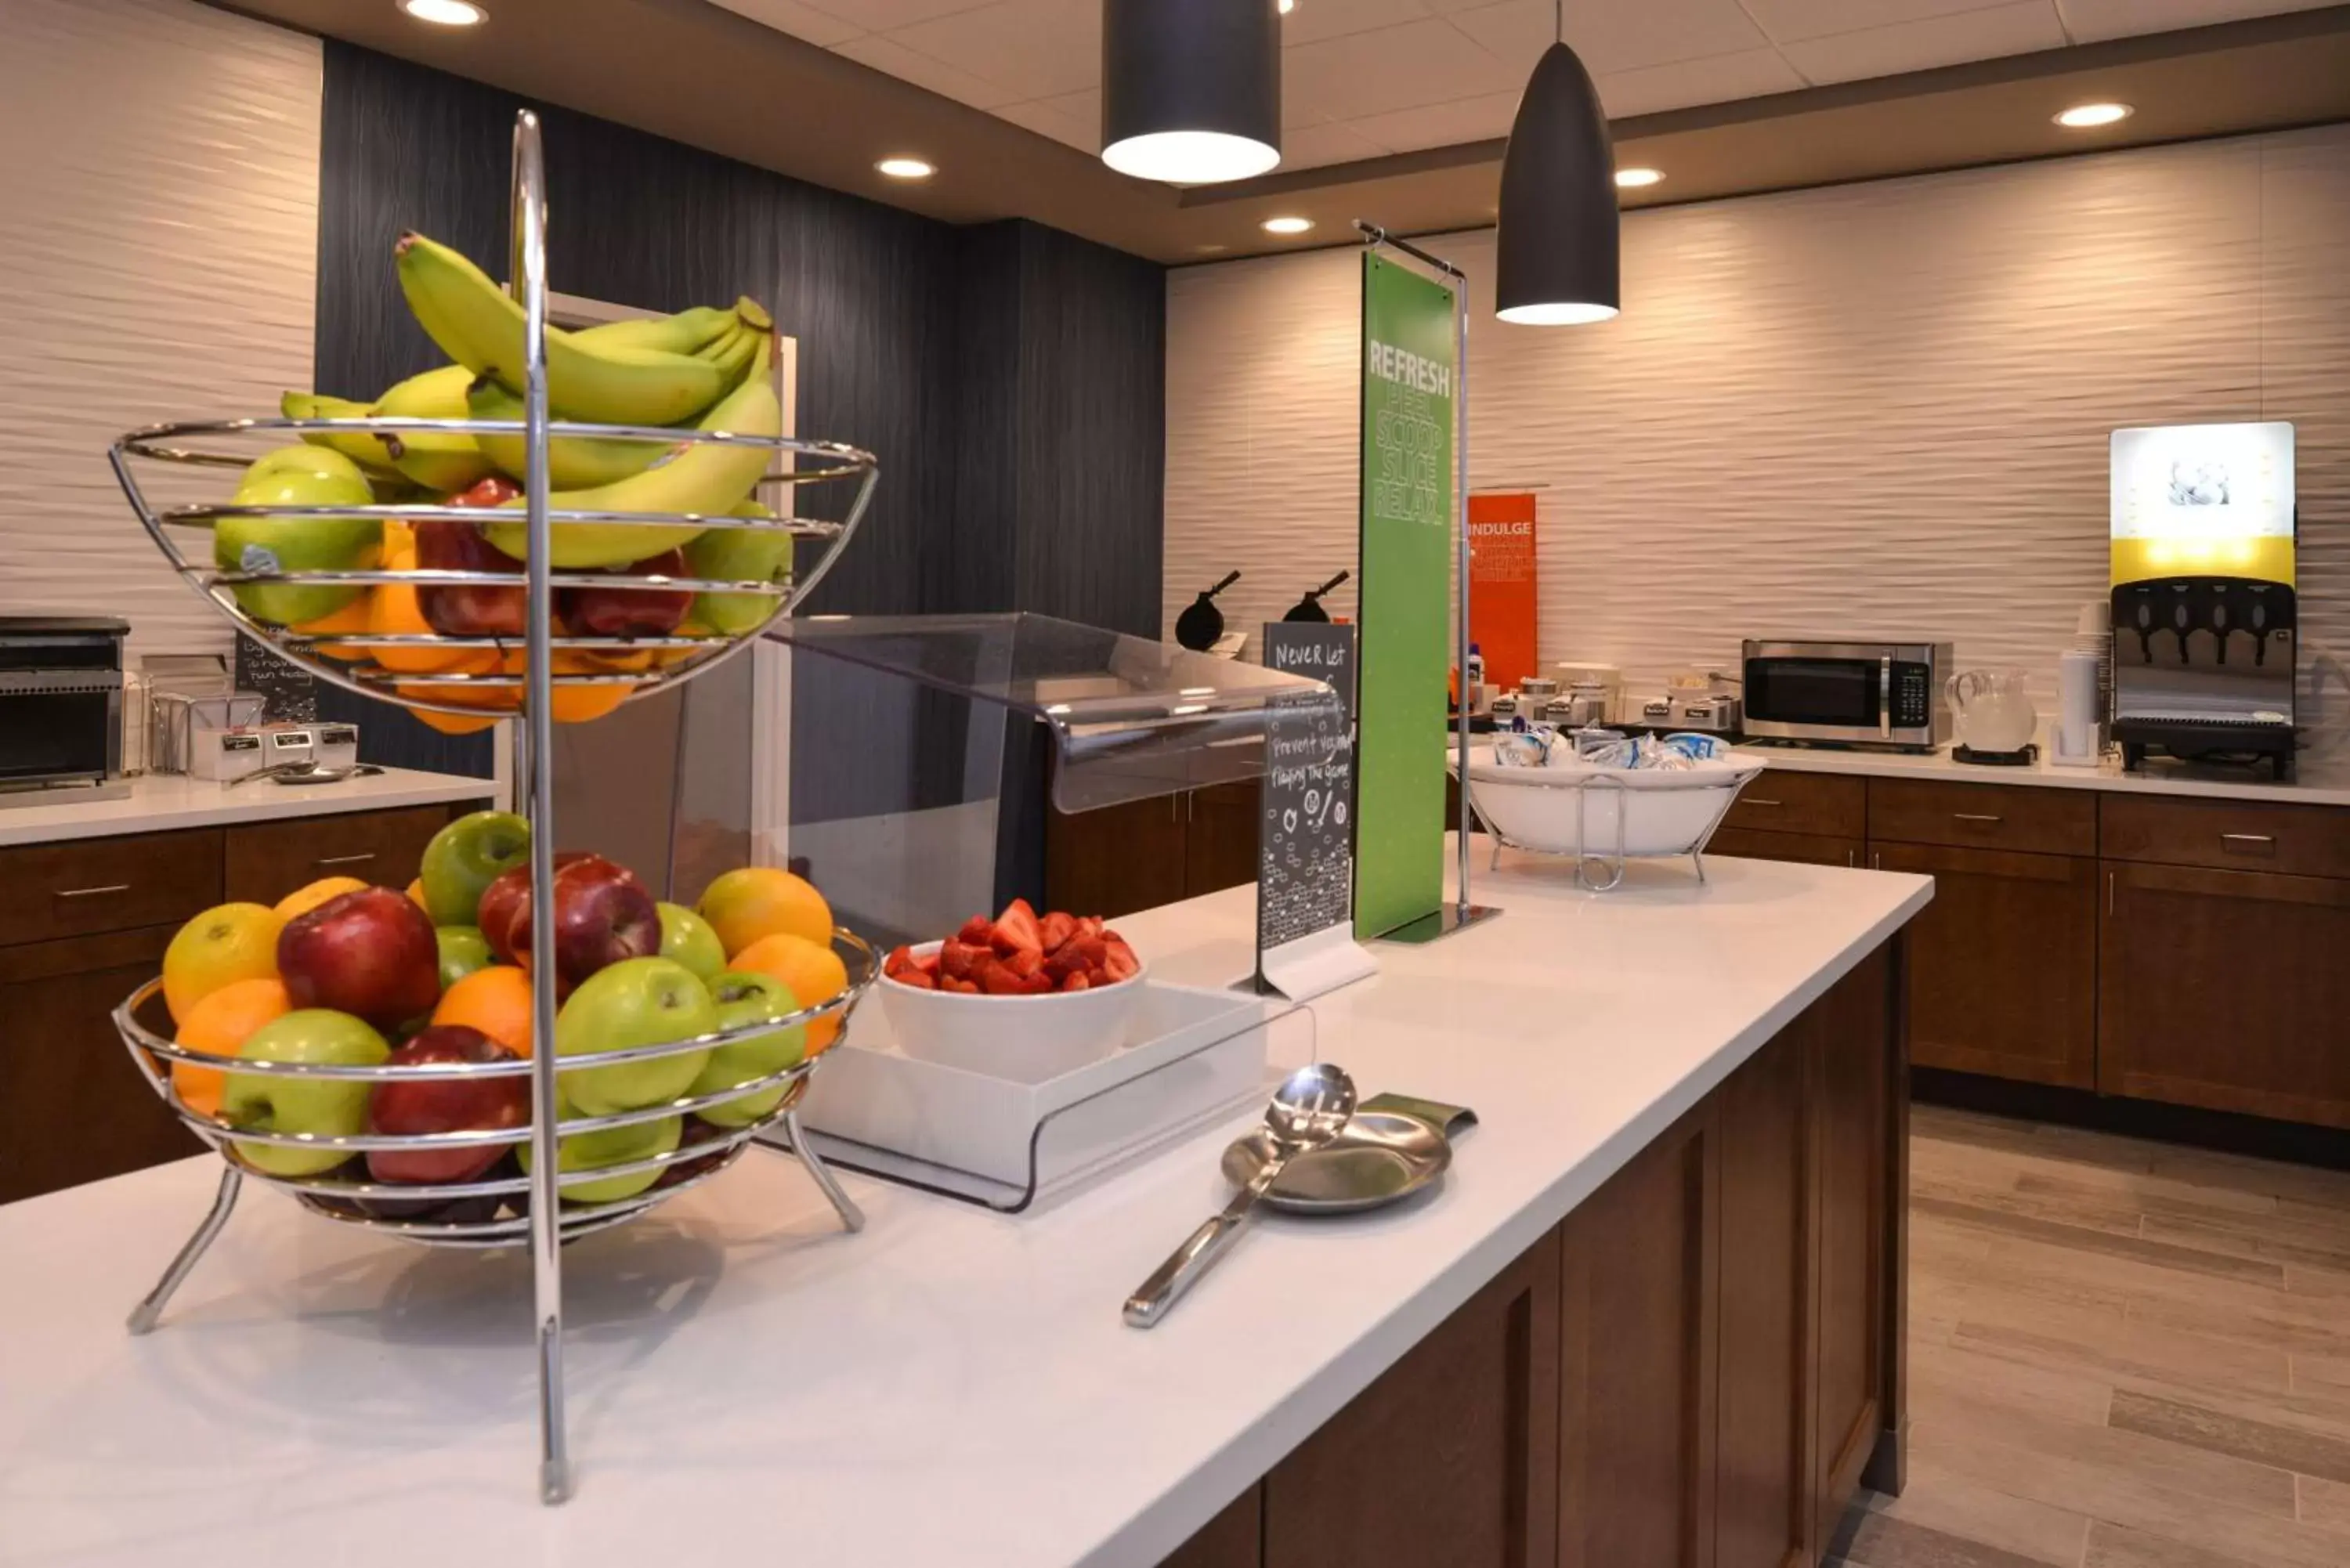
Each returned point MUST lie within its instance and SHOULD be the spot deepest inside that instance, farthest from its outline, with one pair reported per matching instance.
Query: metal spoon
(1307, 1111)
(306, 773)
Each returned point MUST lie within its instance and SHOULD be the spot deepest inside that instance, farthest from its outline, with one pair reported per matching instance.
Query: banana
(479, 326)
(446, 462)
(740, 555)
(734, 360)
(359, 446)
(574, 463)
(687, 332)
(703, 480)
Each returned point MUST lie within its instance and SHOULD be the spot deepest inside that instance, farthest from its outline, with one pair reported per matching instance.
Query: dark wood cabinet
(267, 860)
(1120, 859)
(1450, 1457)
(2002, 963)
(2226, 990)
(74, 1107)
(89, 885)
(1834, 805)
(1221, 836)
(1233, 1538)
(1805, 848)
(1639, 1304)
(2032, 818)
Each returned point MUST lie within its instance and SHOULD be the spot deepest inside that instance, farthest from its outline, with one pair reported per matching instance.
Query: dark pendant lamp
(1557, 264)
(1191, 89)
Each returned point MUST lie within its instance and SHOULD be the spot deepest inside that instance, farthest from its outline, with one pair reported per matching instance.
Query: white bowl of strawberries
(1022, 996)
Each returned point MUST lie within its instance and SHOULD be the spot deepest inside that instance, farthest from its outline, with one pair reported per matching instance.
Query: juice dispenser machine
(2203, 602)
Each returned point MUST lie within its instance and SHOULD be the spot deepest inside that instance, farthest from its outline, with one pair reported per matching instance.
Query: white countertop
(159, 802)
(951, 1387)
(2316, 780)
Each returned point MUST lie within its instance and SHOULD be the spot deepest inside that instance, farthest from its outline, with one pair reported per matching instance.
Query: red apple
(508, 891)
(431, 1103)
(371, 952)
(602, 915)
(467, 610)
(622, 610)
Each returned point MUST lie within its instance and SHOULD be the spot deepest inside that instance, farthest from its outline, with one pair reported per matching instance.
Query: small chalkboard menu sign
(290, 693)
(1306, 841)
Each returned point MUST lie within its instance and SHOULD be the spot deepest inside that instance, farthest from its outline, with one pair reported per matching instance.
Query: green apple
(739, 555)
(324, 1107)
(687, 937)
(744, 998)
(465, 857)
(613, 1146)
(463, 950)
(636, 1001)
(301, 475)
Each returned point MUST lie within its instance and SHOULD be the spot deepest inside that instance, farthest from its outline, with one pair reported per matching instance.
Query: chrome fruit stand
(472, 1213)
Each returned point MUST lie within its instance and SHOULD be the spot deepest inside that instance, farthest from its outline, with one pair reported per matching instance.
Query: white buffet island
(952, 1386)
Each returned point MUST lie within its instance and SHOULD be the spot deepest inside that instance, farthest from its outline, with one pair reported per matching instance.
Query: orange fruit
(495, 1001)
(356, 616)
(447, 723)
(218, 1026)
(227, 943)
(812, 970)
(416, 895)
(302, 900)
(754, 902)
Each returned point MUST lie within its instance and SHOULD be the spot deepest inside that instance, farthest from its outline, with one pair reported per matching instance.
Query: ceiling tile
(1405, 66)
(2018, 28)
(1032, 48)
(1481, 119)
(1313, 146)
(880, 15)
(887, 55)
(1612, 38)
(1788, 21)
(1717, 78)
(803, 22)
(1053, 117)
(1316, 19)
(2090, 20)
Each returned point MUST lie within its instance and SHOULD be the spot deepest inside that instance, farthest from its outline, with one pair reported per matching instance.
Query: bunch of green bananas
(705, 369)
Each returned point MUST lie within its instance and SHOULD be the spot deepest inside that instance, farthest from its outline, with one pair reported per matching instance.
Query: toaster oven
(1885, 695)
(60, 700)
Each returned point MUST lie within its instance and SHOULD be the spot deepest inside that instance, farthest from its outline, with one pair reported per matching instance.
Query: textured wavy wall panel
(1872, 409)
(159, 259)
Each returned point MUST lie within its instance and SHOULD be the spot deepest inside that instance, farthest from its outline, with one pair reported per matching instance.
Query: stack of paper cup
(2080, 711)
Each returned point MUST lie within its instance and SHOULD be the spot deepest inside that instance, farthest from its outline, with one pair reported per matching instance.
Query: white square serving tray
(1191, 1056)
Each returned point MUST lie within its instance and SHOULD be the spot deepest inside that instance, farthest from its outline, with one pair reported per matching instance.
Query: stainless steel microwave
(60, 699)
(1880, 694)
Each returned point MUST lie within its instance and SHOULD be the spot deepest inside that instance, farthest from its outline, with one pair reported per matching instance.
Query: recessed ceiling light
(2089, 116)
(1287, 225)
(1630, 179)
(446, 13)
(1287, 6)
(906, 167)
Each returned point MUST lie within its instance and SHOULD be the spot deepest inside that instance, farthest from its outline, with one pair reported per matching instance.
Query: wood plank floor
(2122, 1355)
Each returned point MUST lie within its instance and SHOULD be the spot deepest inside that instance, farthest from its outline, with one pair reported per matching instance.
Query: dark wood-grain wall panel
(1639, 1304)
(1451, 1457)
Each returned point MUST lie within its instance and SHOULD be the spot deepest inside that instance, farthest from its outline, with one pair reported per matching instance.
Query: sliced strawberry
(1120, 961)
(1016, 927)
(977, 932)
(917, 979)
(900, 961)
(1000, 980)
(949, 982)
(1058, 927)
(956, 958)
(1077, 955)
(1023, 961)
(1089, 925)
(1077, 982)
(928, 963)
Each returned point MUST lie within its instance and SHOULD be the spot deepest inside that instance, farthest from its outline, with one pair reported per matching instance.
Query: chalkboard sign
(1306, 857)
(1320, 652)
(290, 694)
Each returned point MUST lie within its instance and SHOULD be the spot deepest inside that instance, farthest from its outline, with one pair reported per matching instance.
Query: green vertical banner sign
(1403, 664)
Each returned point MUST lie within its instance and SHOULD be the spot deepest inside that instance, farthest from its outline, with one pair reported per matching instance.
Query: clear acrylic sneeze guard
(903, 763)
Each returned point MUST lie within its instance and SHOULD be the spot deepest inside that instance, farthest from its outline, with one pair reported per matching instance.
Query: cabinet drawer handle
(1852, 857)
(92, 892)
(1975, 816)
(1876, 860)
(2109, 893)
(2250, 840)
(1757, 800)
(360, 858)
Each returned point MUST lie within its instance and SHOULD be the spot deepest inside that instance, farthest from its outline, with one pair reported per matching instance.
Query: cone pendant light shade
(1557, 262)
(1191, 89)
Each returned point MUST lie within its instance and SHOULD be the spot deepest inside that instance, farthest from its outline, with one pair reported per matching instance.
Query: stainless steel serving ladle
(1309, 1109)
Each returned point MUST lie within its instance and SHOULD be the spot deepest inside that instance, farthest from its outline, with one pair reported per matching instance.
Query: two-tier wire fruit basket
(535, 1199)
